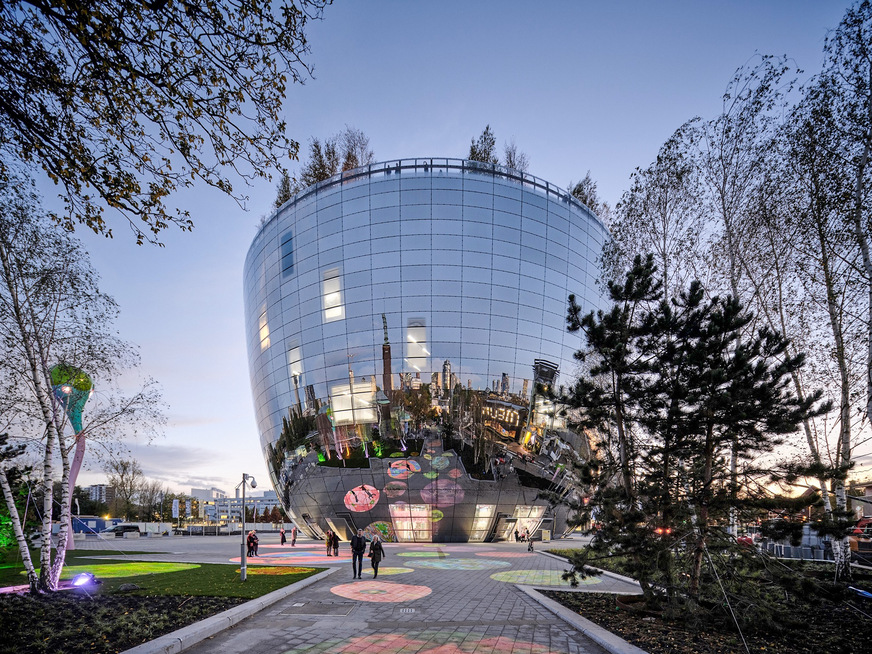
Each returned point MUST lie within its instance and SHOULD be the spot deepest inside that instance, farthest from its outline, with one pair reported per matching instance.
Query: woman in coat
(328, 539)
(376, 554)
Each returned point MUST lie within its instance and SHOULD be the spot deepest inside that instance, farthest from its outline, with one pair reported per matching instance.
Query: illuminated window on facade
(413, 523)
(331, 292)
(287, 253)
(484, 513)
(417, 354)
(353, 403)
(528, 517)
(264, 332)
(295, 362)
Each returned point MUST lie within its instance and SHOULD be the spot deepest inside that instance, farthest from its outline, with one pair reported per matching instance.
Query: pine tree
(484, 149)
(672, 390)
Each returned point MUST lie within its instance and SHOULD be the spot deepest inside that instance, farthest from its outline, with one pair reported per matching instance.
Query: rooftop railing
(437, 165)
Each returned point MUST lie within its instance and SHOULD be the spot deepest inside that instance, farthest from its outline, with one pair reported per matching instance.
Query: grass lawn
(169, 596)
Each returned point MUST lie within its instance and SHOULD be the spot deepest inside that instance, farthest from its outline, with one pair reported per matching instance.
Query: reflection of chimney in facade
(504, 387)
(524, 389)
(311, 404)
(386, 371)
(446, 375)
(297, 394)
(469, 384)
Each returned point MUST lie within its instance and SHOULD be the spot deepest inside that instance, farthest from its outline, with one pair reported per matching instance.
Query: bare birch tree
(52, 312)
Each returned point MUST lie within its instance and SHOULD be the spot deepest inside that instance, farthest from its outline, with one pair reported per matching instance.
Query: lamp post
(245, 479)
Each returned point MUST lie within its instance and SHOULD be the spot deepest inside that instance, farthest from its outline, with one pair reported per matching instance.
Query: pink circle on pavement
(381, 591)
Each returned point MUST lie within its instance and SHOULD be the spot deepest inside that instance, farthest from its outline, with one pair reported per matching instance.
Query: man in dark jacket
(358, 547)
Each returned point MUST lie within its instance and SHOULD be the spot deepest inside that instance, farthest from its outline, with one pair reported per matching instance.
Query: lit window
(417, 354)
(264, 332)
(287, 254)
(331, 290)
(295, 364)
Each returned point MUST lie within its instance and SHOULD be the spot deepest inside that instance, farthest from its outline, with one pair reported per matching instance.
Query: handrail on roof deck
(396, 166)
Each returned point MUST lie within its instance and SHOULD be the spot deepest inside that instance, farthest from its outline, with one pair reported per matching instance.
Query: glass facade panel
(406, 294)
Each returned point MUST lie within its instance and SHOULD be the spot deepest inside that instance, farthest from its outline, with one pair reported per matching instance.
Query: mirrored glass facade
(392, 300)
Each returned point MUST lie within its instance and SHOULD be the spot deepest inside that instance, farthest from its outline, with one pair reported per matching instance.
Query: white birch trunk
(38, 373)
(32, 578)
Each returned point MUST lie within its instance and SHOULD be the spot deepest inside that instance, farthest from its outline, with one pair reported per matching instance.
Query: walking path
(428, 598)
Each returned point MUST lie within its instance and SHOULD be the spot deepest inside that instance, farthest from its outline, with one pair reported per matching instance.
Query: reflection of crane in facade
(386, 371)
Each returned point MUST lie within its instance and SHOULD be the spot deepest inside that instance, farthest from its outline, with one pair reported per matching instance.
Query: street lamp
(250, 480)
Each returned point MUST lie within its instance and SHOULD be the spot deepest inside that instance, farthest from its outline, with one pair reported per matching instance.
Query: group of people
(358, 547)
(251, 543)
(293, 536)
(332, 541)
(522, 536)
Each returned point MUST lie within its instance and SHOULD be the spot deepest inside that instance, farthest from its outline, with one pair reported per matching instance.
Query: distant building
(208, 493)
(229, 509)
(101, 493)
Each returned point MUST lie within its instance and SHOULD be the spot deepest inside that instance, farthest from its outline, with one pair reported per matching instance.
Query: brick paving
(450, 603)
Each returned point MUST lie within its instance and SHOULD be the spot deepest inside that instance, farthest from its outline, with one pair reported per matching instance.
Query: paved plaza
(433, 598)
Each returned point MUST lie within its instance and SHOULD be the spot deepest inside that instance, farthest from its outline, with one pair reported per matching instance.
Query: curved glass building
(400, 318)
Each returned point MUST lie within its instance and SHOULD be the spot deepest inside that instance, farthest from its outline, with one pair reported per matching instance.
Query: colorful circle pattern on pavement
(506, 555)
(403, 469)
(361, 498)
(388, 571)
(424, 555)
(430, 641)
(301, 557)
(461, 564)
(381, 591)
(539, 578)
(440, 463)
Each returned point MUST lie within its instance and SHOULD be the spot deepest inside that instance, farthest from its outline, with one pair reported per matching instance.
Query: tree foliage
(672, 389)
(123, 102)
(53, 312)
(346, 150)
(484, 148)
(769, 201)
(125, 476)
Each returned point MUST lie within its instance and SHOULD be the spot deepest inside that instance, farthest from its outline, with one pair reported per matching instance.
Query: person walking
(294, 536)
(517, 535)
(376, 554)
(282, 535)
(253, 537)
(249, 544)
(329, 541)
(358, 548)
(335, 544)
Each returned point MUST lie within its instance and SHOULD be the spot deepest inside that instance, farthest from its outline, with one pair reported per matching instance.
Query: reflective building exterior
(392, 300)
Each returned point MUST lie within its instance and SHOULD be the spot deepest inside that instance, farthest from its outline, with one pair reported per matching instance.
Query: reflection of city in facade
(410, 294)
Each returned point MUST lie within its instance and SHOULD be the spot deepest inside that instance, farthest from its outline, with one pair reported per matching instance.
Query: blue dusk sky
(578, 85)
